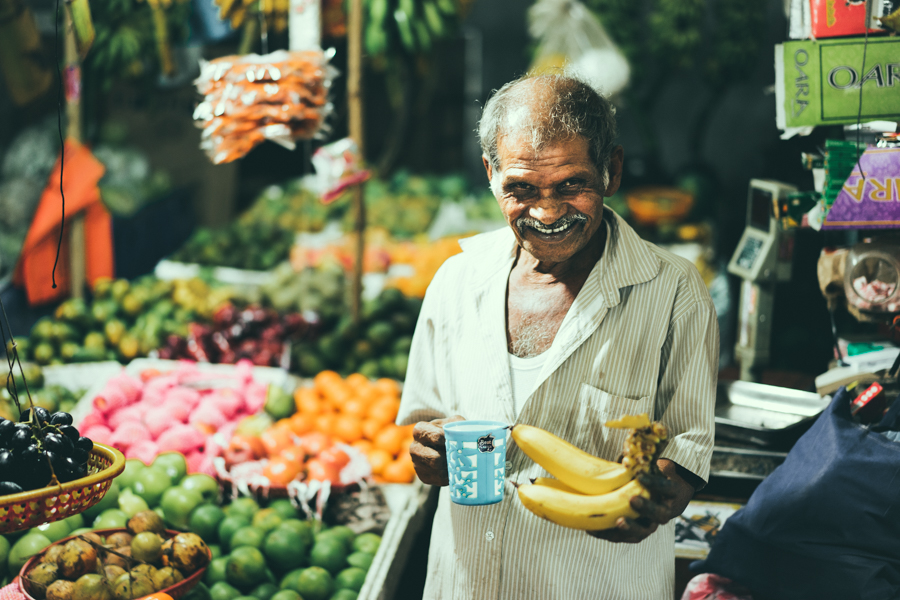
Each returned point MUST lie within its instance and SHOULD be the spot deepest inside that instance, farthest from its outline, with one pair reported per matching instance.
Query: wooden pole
(72, 83)
(355, 118)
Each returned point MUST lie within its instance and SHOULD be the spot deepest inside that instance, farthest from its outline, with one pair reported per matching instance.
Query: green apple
(75, 522)
(128, 477)
(242, 507)
(112, 518)
(27, 546)
(178, 503)
(54, 531)
(173, 464)
(151, 484)
(131, 504)
(203, 483)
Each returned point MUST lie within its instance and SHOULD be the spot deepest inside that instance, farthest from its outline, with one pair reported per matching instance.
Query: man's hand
(428, 451)
(671, 495)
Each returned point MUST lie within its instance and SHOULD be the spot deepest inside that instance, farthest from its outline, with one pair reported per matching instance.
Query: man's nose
(547, 210)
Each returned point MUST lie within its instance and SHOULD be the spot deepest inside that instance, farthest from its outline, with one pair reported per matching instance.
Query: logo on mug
(486, 443)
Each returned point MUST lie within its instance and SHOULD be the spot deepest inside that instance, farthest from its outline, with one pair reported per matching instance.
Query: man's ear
(616, 161)
(487, 167)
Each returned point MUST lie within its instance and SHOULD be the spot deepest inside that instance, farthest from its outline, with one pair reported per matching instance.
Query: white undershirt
(524, 372)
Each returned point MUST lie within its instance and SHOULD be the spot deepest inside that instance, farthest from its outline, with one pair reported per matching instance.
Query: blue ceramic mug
(476, 461)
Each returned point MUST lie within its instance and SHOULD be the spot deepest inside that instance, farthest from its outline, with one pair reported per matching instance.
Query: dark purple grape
(20, 439)
(6, 430)
(59, 443)
(10, 487)
(84, 443)
(60, 418)
(70, 432)
(6, 464)
(81, 456)
(41, 414)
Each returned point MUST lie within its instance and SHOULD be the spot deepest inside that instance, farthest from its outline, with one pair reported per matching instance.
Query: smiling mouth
(553, 232)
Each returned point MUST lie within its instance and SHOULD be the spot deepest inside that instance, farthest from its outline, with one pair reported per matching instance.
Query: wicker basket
(36, 507)
(176, 591)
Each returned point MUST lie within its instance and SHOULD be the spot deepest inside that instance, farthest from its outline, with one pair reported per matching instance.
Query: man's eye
(571, 184)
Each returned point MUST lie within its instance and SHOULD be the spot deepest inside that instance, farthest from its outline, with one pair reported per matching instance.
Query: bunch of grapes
(38, 440)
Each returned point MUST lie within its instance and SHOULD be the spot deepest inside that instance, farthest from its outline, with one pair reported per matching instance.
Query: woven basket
(29, 509)
(175, 592)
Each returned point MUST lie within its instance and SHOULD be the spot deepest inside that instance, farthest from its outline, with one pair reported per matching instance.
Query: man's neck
(575, 269)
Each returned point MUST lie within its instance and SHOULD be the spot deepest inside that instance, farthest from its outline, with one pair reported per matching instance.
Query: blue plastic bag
(825, 524)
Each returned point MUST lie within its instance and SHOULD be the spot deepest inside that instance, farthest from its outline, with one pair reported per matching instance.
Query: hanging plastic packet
(281, 97)
(338, 166)
(571, 37)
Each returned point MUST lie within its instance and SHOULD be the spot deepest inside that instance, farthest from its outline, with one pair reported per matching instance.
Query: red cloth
(12, 592)
(80, 178)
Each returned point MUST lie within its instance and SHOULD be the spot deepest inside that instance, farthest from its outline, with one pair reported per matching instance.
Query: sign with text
(817, 82)
(873, 201)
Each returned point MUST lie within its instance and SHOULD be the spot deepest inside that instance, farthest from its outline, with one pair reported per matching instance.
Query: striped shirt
(641, 336)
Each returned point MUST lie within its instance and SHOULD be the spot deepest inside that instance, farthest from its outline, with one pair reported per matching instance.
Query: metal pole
(77, 241)
(355, 118)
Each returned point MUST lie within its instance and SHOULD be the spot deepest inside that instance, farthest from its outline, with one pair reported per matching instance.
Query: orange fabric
(33, 271)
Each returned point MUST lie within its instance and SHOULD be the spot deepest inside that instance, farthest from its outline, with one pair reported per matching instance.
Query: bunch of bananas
(275, 12)
(410, 26)
(588, 493)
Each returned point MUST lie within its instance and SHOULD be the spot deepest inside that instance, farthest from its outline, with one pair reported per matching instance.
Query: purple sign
(873, 202)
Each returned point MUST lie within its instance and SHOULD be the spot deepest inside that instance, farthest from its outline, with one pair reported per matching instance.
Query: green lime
(246, 567)
(228, 526)
(151, 483)
(279, 403)
(289, 581)
(285, 549)
(223, 591)
(350, 579)
(345, 534)
(215, 572)
(330, 553)
(54, 531)
(286, 595)
(315, 583)
(133, 466)
(242, 507)
(111, 518)
(25, 547)
(284, 508)
(4, 551)
(203, 483)
(301, 527)
(248, 536)
(215, 550)
(344, 595)
(205, 520)
(245, 597)
(367, 542)
(264, 591)
(267, 519)
(361, 560)
(200, 592)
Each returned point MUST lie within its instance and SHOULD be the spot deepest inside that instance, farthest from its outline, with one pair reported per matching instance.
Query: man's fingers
(431, 433)
(427, 457)
(653, 511)
(626, 531)
(635, 527)
(659, 486)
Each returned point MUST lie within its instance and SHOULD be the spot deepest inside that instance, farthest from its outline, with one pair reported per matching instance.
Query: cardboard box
(817, 81)
(832, 18)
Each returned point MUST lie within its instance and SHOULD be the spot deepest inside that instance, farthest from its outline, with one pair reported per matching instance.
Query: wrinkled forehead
(529, 127)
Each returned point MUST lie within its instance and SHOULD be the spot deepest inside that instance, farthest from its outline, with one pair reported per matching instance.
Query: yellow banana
(591, 513)
(555, 484)
(630, 422)
(574, 467)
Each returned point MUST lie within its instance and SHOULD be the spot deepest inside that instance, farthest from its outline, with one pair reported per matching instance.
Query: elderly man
(563, 321)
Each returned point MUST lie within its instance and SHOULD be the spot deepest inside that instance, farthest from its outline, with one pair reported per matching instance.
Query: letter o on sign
(797, 57)
(833, 75)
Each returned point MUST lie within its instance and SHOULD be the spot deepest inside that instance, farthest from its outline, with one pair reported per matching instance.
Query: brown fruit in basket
(92, 587)
(60, 590)
(78, 558)
(116, 560)
(186, 552)
(129, 587)
(120, 538)
(112, 572)
(144, 569)
(40, 578)
(93, 537)
(146, 520)
(166, 577)
(52, 554)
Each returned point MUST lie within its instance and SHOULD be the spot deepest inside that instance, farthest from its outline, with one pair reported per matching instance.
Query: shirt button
(489, 535)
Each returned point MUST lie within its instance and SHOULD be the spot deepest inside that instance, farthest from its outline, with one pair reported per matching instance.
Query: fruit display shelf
(176, 591)
(170, 269)
(28, 509)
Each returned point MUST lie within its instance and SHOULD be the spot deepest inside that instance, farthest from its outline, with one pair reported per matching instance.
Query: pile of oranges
(356, 411)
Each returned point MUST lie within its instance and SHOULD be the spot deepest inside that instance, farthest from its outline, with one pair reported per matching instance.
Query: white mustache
(560, 225)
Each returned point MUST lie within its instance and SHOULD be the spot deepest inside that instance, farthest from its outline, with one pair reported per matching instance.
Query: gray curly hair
(560, 108)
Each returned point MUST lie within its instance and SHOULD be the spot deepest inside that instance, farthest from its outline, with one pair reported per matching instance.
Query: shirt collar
(626, 261)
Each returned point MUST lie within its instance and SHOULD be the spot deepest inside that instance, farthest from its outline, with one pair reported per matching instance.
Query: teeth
(557, 230)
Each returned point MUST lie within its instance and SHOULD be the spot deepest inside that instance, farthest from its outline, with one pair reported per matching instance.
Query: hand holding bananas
(622, 502)
(429, 452)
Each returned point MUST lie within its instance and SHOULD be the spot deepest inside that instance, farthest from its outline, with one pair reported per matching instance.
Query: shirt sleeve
(421, 399)
(687, 389)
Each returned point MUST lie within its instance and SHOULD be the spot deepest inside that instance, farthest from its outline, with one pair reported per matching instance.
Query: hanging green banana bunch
(407, 26)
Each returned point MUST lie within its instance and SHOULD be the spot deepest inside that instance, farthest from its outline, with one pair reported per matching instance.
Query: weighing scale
(763, 258)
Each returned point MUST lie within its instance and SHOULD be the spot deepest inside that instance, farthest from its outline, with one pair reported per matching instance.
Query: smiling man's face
(552, 198)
